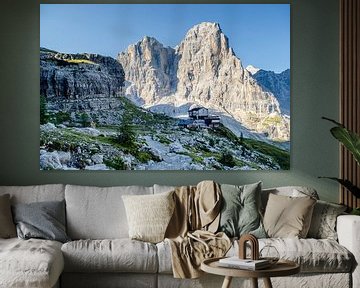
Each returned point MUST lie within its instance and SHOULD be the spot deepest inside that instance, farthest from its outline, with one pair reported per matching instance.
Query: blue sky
(258, 33)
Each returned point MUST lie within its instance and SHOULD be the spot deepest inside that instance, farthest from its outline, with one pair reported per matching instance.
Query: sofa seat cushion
(30, 263)
(115, 255)
(313, 255)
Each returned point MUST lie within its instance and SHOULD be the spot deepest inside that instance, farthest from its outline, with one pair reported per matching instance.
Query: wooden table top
(281, 268)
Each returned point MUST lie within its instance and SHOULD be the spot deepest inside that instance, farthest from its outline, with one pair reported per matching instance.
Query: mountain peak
(205, 36)
(252, 69)
(149, 39)
(207, 25)
(204, 28)
(202, 69)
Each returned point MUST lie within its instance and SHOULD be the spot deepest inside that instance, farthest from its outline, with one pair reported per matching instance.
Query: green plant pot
(355, 211)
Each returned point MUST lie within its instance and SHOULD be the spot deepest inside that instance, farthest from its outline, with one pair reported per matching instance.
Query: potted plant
(351, 141)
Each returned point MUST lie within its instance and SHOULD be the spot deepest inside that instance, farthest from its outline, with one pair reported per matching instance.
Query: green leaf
(355, 211)
(333, 121)
(347, 184)
(349, 139)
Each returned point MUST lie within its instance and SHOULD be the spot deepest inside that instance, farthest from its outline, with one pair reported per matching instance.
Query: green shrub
(44, 116)
(85, 119)
(61, 117)
(227, 159)
(126, 135)
(117, 163)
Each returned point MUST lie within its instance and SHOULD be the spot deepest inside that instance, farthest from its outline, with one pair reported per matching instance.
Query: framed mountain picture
(164, 86)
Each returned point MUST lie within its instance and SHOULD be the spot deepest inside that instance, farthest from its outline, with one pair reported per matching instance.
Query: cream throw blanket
(191, 231)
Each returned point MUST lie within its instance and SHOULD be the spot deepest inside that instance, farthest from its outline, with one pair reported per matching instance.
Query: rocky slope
(87, 124)
(153, 142)
(278, 84)
(81, 83)
(203, 69)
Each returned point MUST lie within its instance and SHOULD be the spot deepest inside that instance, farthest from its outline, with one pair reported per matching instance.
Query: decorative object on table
(247, 264)
(351, 142)
(254, 246)
(269, 253)
(241, 261)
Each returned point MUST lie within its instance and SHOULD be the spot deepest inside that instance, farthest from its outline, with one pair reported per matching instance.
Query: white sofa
(101, 255)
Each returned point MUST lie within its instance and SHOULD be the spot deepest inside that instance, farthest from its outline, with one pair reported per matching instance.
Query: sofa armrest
(348, 230)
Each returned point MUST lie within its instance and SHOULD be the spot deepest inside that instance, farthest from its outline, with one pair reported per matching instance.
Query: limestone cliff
(151, 68)
(202, 69)
(80, 83)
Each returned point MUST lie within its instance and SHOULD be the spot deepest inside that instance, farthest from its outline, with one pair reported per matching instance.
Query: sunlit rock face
(202, 69)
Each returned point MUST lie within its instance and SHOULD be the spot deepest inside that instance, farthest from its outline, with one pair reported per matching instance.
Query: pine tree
(44, 117)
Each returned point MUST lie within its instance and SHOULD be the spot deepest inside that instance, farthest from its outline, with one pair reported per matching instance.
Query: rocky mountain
(278, 84)
(81, 83)
(202, 69)
(252, 69)
(149, 141)
(151, 68)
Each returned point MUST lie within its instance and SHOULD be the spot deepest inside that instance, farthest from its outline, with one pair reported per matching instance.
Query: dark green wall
(314, 93)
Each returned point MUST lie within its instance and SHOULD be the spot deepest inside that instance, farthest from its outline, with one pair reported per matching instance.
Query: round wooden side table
(281, 268)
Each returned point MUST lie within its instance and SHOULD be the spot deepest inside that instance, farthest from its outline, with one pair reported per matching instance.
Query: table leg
(267, 283)
(227, 282)
(254, 282)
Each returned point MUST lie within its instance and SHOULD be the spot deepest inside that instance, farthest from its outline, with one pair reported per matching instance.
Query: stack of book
(248, 264)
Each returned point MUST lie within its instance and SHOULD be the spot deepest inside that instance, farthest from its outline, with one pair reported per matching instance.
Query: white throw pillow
(149, 215)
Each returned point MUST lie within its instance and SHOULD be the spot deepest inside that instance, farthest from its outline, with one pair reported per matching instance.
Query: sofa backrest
(162, 188)
(293, 191)
(98, 212)
(35, 193)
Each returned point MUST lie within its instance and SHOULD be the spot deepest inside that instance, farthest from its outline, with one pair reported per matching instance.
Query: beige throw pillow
(7, 226)
(149, 215)
(288, 217)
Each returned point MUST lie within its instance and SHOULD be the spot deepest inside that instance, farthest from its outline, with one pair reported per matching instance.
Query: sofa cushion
(323, 222)
(149, 215)
(240, 210)
(164, 257)
(43, 220)
(287, 216)
(7, 226)
(34, 193)
(117, 255)
(291, 191)
(313, 255)
(30, 263)
(98, 213)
